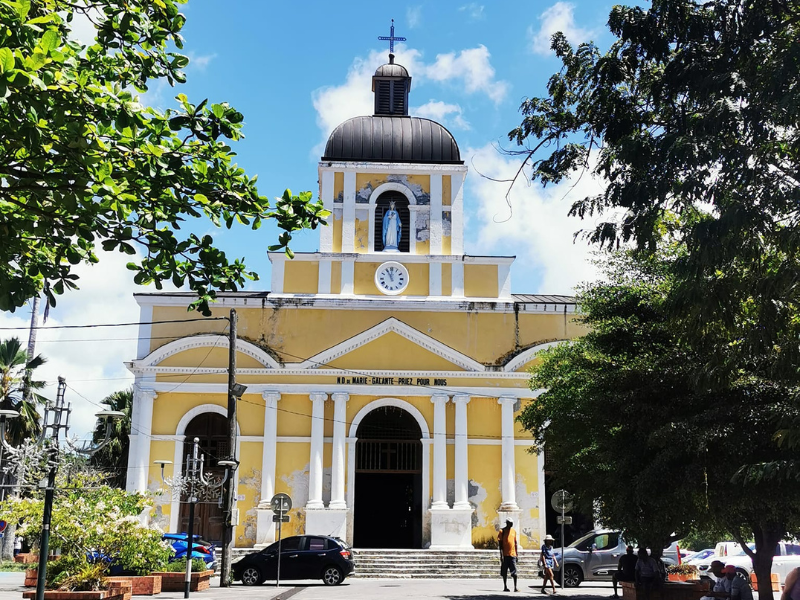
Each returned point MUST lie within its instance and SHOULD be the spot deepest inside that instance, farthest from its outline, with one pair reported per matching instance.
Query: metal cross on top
(391, 38)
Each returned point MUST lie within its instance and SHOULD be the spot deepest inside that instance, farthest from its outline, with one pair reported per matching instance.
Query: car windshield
(582, 540)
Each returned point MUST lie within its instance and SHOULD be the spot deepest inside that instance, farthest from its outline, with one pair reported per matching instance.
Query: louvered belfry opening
(391, 84)
(388, 481)
(401, 206)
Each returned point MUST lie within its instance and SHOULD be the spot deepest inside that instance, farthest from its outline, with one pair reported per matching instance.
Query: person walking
(508, 543)
(548, 562)
(626, 569)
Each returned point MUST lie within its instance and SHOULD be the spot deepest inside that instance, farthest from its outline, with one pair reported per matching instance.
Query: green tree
(113, 458)
(16, 374)
(84, 165)
(691, 118)
(636, 432)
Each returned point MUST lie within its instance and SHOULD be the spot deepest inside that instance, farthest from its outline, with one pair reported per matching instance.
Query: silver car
(595, 557)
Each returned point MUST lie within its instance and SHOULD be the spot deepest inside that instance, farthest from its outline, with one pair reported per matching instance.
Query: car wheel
(252, 576)
(332, 575)
(743, 575)
(573, 576)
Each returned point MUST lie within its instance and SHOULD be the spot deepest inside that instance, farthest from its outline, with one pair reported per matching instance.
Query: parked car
(302, 557)
(787, 557)
(595, 557)
(699, 556)
(200, 548)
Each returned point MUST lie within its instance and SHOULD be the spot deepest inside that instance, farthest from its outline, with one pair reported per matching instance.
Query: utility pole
(233, 396)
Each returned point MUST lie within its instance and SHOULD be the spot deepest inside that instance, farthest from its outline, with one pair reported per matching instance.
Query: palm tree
(114, 456)
(18, 390)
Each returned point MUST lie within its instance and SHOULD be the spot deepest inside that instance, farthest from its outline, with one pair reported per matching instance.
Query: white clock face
(391, 278)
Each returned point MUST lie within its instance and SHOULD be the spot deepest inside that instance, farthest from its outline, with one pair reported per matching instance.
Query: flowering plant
(683, 569)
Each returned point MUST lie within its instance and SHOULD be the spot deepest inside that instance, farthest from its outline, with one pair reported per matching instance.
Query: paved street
(366, 589)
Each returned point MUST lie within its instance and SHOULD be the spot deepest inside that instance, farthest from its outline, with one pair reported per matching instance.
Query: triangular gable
(392, 325)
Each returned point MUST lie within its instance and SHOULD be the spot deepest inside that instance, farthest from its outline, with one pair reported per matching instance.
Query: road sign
(564, 520)
(281, 503)
(280, 519)
(562, 501)
(3, 526)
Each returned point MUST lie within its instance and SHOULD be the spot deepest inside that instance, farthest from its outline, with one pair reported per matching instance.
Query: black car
(302, 557)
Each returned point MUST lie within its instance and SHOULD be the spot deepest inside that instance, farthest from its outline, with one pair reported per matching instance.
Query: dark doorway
(401, 206)
(212, 431)
(388, 480)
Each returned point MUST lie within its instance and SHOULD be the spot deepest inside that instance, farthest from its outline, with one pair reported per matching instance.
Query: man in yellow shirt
(508, 544)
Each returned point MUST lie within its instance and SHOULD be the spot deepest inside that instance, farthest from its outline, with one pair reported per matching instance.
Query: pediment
(392, 345)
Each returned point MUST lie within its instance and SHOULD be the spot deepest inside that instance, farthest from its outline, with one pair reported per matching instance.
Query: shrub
(179, 566)
(682, 569)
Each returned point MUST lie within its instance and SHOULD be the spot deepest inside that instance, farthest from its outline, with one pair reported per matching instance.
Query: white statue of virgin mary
(391, 229)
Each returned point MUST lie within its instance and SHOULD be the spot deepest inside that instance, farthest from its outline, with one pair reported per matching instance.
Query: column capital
(317, 396)
(440, 398)
(340, 396)
(461, 399)
(507, 400)
(146, 393)
(270, 396)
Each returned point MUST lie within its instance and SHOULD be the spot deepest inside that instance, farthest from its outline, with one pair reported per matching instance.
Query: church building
(384, 372)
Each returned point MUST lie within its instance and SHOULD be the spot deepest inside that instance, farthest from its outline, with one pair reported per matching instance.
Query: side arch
(392, 186)
(201, 341)
(397, 403)
(528, 355)
(196, 412)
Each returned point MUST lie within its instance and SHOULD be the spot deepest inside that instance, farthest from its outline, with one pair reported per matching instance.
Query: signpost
(281, 504)
(562, 502)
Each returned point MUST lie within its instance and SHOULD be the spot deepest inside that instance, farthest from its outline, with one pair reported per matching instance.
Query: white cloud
(90, 359)
(473, 68)
(535, 227)
(335, 104)
(82, 29)
(199, 62)
(413, 16)
(473, 10)
(559, 17)
(440, 111)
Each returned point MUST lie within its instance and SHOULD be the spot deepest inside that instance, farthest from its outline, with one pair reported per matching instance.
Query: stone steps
(437, 564)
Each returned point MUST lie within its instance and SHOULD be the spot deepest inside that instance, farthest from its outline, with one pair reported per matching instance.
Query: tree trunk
(7, 551)
(767, 538)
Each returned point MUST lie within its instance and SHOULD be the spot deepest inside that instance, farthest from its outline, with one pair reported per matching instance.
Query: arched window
(401, 206)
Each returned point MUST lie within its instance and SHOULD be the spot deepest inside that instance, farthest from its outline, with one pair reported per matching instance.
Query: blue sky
(298, 69)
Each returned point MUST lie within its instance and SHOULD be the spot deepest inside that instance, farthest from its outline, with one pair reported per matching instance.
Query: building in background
(384, 372)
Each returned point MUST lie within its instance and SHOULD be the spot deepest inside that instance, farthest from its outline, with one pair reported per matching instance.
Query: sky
(298, 69)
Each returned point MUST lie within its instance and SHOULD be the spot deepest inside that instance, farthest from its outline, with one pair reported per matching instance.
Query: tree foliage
(637, 433)
(113, 457)
(84, 165)
(691, 119)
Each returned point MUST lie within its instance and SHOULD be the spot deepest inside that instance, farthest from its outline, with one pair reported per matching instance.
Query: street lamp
(56, 418)
(191, 482)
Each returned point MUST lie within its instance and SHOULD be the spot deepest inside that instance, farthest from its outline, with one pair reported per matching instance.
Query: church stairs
(438, 564)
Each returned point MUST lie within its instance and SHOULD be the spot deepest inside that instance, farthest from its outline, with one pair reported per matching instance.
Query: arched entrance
(212, 431)
(388, 480)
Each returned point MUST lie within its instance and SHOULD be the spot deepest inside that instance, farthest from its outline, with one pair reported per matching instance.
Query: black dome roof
(392, 139)
(391, 70)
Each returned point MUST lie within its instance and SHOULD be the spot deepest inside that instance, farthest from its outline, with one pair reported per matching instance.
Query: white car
(786, 558)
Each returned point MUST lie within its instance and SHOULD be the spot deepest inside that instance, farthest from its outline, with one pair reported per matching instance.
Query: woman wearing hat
(548, 562)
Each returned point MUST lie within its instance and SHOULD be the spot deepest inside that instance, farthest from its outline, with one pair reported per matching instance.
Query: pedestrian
(548, 562)
(626, 569)
(17, 545)
(508, 543)
(739, 586)
(646, 570)
(791, 588)
(720, 582)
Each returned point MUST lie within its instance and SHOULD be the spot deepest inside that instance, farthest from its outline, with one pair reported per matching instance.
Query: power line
(96, 325)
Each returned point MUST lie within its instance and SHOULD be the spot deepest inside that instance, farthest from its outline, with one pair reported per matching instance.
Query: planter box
(56, 595)
(30, 577)
(682, 577)
(670, 590)
(123, 588)
(774, 579)
(26, 558)
(173, 582)
(144, 585)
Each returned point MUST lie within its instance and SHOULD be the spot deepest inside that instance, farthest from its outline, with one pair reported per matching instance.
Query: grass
(8, 566)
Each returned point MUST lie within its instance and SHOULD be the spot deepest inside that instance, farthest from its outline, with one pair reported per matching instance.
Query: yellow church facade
(384, 373)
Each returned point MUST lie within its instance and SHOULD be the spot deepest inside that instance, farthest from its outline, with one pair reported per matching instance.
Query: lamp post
(191, 482)
(56, 418)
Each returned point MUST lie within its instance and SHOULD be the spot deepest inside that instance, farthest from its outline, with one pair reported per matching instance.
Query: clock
(391, 278)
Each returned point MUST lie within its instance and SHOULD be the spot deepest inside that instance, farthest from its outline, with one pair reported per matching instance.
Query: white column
(317, 440)
(349, 212)
(326, 189)
(439, 451)
(457, 279)
(324, 279)
(457, 213)
(436, 214)
(509, 499)
(434, 278)
(269, 452)
(348, 275)
(337, 459)
(139, 467)
(462, 471)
